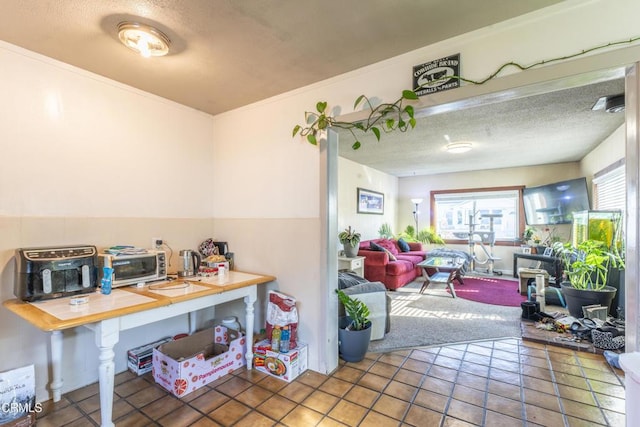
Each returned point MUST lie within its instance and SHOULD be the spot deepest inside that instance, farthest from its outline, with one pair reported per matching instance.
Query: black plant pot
(353, 345)
(577, 298)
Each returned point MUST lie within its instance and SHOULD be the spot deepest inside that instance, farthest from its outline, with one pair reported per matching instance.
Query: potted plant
(385, 231)
(350, 240)
(425, 236)
(587, 267)
(354, 329)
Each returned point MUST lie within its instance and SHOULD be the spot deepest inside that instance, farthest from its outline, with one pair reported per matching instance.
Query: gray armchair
(374, 295)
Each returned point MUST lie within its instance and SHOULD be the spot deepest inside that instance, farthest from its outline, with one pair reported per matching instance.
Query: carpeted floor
(435, 318)
(490, 290)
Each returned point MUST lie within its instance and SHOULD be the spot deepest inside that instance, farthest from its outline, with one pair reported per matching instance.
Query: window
(609, 188)
(487, 210)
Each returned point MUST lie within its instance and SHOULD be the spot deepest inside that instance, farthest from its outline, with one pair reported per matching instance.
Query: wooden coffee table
(444, 270)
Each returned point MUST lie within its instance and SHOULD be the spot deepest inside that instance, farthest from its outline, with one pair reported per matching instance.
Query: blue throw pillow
(404, 246)
(375, 247)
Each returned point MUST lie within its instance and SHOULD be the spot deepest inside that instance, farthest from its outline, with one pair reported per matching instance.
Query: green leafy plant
(386, 117)
(349, 236)
(357, 311)
(385, 231)
(587, 265)
(389, 117)
(426, 235)
(527, 234)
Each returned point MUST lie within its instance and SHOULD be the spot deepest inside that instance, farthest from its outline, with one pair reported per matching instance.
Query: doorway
(553, 78)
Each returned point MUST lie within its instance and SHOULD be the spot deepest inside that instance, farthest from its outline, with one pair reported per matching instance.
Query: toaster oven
(131, 269)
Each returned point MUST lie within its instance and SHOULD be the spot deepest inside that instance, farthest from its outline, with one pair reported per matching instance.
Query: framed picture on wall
(370, 202)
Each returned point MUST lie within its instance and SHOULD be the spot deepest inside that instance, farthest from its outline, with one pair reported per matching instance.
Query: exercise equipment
(483, 239)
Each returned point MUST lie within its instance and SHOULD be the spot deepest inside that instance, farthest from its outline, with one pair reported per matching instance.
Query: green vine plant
(397, 116)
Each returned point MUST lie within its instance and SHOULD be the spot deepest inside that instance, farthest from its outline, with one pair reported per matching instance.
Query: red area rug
(490, 290)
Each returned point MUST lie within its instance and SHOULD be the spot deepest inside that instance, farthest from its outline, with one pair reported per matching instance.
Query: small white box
(18, 397)
(140, 359)
(286, 366)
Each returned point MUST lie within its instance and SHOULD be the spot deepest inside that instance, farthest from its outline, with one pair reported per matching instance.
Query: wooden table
(130, 307)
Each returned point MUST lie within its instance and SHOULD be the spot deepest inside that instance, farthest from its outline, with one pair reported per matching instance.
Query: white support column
(632, 229)
(56, 365)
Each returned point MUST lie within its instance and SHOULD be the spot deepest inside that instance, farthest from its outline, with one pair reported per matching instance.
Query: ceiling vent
(610, 104)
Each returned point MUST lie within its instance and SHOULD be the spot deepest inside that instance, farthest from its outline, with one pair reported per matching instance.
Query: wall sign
(436, 76)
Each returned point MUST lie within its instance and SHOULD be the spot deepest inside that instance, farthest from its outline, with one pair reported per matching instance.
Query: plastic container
(275, 339)
(285, 337)
(105, 284)
(231, 322)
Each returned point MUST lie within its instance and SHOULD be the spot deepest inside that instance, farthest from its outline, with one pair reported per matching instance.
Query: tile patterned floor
(506, 382)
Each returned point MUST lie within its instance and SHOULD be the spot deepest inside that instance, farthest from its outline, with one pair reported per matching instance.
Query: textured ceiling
(226, 54)
(554, 127)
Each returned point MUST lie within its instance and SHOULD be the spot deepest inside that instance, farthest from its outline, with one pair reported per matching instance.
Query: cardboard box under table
(18, 397)
(286, 366)
(139, 359)
(185, 365)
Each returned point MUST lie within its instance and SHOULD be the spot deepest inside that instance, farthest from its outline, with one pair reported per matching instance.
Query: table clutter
(277, 350)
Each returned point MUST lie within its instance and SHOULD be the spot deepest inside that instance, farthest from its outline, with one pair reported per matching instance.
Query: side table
(355, 264)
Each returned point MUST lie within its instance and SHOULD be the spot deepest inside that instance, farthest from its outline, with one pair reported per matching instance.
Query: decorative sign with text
(436, 76)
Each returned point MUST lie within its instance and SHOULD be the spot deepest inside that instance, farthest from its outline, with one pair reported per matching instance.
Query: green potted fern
(354, 329)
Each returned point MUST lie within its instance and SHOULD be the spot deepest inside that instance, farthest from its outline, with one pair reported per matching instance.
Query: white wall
(352, 176)
(259, 185)
(264, 151)
(86, 160)
(607, 153)
(422, 186)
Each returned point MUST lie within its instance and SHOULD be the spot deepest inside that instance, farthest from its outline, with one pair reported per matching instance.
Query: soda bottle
(285, 340)
(275, 338)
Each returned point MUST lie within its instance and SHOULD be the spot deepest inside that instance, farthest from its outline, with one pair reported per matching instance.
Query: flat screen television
(555, 203)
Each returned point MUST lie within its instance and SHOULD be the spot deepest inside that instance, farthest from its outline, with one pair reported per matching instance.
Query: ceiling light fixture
(610, 104)
(143, 39)
(459, 147)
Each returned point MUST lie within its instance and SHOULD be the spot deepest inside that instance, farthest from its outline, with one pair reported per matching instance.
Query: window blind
(610, 190)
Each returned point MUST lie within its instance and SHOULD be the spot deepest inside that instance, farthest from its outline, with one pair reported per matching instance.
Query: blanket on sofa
(453, 253)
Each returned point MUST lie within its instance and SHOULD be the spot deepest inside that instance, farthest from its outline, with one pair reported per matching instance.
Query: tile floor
(506, 382)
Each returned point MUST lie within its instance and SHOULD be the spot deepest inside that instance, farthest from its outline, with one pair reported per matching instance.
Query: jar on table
(231, 322)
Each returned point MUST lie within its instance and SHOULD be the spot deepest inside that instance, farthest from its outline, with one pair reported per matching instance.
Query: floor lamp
(415, 212)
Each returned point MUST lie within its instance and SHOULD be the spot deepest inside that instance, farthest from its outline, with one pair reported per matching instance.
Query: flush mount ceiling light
(143, 39)
(459, 147)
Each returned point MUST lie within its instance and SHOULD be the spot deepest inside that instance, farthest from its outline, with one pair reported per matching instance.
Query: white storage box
(140, 359)
(18, 405)
(189, 363)
(286, 366)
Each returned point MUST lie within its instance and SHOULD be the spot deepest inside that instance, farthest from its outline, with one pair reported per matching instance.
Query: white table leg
(107, 335)
(193, 322)
(249, 300)
(56, 365)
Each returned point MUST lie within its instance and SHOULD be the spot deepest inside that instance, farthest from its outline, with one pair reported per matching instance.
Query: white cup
(221, 271)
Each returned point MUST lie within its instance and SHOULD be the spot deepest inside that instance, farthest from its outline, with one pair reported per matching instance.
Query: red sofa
(394, 274)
